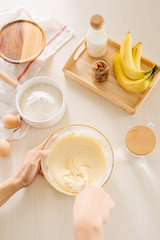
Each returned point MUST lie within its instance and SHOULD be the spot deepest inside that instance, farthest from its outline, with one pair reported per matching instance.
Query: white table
(39, 212)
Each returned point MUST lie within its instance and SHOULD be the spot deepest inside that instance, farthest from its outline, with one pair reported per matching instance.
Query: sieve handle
(8, 79)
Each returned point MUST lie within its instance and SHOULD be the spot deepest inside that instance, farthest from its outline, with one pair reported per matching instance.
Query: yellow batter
(76, 161)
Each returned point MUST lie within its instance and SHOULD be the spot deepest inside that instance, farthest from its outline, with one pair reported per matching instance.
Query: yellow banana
(136, 86)
(126, 60)
(136, 54)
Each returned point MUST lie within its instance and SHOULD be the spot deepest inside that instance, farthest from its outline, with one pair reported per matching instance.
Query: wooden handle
(7, 79)
(72, 57)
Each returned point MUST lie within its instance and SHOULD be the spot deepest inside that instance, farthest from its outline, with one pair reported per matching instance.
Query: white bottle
(96, 37)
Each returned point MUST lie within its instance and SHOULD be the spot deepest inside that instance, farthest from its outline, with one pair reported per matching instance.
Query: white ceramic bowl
(30, 83)
(89, 131)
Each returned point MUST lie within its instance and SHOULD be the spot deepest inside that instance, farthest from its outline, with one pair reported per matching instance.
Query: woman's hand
(92, 207)
(26, 173)
(30, 165)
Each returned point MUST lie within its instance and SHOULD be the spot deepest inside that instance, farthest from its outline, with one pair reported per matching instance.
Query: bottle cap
(97, 21)
(140, 140)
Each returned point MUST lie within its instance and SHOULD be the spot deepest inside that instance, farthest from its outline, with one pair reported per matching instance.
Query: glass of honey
(140, 141)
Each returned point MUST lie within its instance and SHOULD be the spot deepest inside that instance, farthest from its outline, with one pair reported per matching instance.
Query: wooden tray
(78, 67)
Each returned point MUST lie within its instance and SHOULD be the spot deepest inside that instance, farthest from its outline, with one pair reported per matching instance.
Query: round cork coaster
(140, 140)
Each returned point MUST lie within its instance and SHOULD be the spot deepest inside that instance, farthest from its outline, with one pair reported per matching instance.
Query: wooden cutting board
(21, 41)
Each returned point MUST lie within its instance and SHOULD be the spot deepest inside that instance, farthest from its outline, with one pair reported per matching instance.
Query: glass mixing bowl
(87, 131)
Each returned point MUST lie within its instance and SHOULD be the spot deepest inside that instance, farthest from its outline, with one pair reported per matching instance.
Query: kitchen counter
(40, 212)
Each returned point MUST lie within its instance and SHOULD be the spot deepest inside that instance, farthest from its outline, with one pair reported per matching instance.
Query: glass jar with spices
(100, 70)
(97, 37)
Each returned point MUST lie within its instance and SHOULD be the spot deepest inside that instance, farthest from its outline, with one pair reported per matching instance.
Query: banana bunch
(127, 67)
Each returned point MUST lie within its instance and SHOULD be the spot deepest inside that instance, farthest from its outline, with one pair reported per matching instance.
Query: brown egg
(4, 148)
(10, 121)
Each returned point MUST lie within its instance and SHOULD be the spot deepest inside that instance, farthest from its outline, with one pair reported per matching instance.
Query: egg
(10, 121)
(4, 148)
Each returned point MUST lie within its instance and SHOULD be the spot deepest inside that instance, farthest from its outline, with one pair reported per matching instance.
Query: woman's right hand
(92, 207)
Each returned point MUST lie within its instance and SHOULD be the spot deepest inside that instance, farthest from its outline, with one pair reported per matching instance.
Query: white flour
(41, 102)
